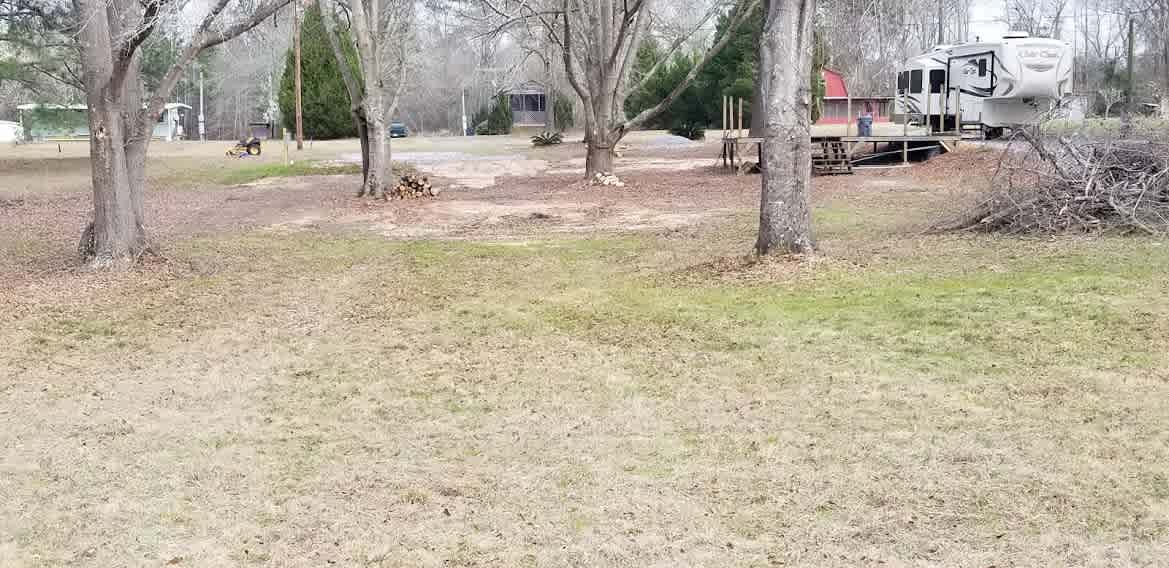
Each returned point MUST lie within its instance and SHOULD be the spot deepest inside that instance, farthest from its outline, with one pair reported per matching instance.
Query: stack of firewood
(607, 179)
(411, 186)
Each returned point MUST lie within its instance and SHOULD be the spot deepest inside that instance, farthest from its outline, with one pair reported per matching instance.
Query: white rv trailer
(1004, 83)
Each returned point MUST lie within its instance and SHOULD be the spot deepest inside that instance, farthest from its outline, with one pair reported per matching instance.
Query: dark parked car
(398, 130)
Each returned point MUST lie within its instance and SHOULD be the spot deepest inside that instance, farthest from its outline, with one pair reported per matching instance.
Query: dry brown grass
(311, 397)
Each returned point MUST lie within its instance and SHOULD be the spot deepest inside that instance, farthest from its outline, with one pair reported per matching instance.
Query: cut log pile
(607, 179)
(411, 186)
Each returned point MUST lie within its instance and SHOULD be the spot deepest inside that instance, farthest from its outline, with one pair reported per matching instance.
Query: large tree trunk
(363, 136)
(117, 233)
(600, 139)
(599, 159)
(379, 154)
(785, 55)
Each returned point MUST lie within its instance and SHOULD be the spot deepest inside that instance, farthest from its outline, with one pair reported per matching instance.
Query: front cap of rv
(1045, 66)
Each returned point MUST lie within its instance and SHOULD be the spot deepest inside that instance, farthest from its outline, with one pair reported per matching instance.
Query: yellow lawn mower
(248, 147)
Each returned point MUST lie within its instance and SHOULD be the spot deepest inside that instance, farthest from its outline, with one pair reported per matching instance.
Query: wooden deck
(833, 150)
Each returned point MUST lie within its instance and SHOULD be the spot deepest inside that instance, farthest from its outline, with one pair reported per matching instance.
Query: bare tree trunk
(370, 102)
(549, 92)
(600, 139)
(117, 233)
(785, 55)
(598, 160)
(120, 124)
(363, 136)
(379, 154)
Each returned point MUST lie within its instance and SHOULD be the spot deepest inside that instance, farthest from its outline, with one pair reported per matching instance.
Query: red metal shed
(835, 109)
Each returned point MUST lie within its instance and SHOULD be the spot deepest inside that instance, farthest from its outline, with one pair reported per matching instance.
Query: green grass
(486, 402)
(251, 173)
(254, 172)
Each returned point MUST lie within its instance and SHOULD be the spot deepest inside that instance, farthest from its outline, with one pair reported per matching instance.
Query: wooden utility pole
(1129, 87)
(296, 48)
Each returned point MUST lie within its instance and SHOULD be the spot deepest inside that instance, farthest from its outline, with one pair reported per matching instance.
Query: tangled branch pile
(1075, 186)
(411, 186)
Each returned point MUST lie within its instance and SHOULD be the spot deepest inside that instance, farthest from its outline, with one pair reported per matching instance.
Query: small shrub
(547, 139)
(495, 118)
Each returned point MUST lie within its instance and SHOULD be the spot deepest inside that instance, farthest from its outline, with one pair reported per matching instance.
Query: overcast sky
(987, 19)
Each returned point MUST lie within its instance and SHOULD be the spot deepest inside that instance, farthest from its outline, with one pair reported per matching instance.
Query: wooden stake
(740, 133)
(958, 115)
(929, 98)
(945, 102)
(848, 117)
(905, 113)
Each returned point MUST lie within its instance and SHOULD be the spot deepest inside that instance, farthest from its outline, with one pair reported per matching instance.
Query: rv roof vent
(1016, 35)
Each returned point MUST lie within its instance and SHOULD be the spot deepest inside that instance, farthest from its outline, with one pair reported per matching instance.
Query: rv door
(974, 74)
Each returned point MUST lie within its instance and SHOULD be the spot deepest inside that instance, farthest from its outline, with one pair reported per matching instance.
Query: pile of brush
(1060, 185)
(607, 179)
(411, 186)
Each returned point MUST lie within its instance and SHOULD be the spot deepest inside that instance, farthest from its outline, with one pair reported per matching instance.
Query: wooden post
(905, 113)
(905, 152)
(740, 132)
(945, 103)
(929, 98)
(958, 116)
(296, 47)
(848, 117)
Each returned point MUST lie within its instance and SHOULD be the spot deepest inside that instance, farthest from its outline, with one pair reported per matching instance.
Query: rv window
(915, 81)
(937, 80)
(982, 68)
(903, 80)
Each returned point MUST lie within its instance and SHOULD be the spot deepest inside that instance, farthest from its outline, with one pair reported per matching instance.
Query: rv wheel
(992, 133)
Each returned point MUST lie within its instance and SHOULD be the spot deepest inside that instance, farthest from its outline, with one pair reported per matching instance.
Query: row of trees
(596, 43)
(608, 53)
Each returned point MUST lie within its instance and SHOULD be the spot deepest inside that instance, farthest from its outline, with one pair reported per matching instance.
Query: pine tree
(324, 97)
(732, 71)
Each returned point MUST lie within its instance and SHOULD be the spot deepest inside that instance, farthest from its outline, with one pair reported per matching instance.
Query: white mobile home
(992, 85)
(9, 131)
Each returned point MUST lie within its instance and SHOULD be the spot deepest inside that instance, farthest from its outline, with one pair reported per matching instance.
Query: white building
(10, 131)
(70, 122)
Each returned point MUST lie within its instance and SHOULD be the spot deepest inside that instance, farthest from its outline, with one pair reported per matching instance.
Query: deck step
(831, 159)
